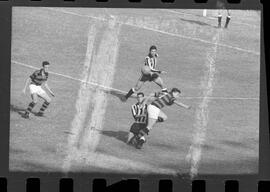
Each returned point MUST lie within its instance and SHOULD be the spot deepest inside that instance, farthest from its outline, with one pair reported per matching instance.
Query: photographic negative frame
(22, 15)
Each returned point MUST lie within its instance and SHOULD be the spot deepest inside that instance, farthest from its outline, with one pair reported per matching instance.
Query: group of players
(146, 112)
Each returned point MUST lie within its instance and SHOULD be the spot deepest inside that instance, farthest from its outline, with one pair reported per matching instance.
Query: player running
(158, 101)
(149, 73)
(139, 113)
(36, 80)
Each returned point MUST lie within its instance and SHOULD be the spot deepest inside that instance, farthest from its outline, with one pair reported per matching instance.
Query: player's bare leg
(227, 19)
(141, 139)
(160, 83)
(46, 103)
(133, 90)
(130, 135)
(219, 18)
(31, 105)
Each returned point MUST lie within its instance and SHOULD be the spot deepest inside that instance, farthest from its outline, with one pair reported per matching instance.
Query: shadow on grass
(120, 95)
(163, 146)
(32, 167)
(196, 22)
(16, 151)
(119, 135)
(17, 109)
(117, 94)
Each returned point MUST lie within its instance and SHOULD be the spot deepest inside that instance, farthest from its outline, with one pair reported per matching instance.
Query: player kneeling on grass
(148, 73)
(139, 113)
(158, 101)
(36, 80)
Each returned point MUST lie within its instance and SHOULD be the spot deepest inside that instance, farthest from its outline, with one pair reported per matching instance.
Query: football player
(221, 5)
(155, 114)
(148, 73)
(139, 113)
(34, 82)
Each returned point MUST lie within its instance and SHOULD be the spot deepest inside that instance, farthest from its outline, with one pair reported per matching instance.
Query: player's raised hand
(52, 94)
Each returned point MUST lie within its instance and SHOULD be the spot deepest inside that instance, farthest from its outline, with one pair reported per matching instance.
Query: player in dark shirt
(155, 114)
(35, 81)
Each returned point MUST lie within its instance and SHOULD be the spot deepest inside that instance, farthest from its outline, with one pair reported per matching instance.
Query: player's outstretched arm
(182, 104)
(48, 88)
(26, 84)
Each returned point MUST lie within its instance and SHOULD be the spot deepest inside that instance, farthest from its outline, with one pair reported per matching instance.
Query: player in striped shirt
(34, 82)
(139, 113)
(148, 73)
(157, 102)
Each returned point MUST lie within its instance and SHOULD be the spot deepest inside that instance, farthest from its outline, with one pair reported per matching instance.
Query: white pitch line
(202, 112)
(103, 70)
(159, 31)
(69, 77)
(76, 14)
(110, 88)
(83, 101)
(213, 18)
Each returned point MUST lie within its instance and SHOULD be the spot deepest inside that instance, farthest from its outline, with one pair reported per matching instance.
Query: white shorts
(153, 111)
(35, 89)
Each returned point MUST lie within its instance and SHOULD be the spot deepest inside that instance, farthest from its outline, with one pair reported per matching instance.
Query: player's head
(175, 92)
(153, 51)
(140, 97)
(45, 65)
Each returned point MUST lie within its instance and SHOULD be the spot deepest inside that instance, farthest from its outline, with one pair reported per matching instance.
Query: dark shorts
(136, 127)
(145, 78)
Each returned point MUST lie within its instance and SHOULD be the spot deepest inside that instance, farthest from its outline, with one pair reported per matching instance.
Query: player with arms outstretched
(157, 102)
(148, 73)
(34, 82)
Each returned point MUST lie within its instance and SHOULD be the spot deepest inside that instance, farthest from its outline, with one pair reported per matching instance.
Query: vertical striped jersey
(39, 77)
(139, 112)
(151, 62)
(165, 99)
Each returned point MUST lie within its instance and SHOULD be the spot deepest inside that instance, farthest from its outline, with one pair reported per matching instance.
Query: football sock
(144, 131)
(131, 91)
(164, 90)
(227, 21)
(44, 106)
(160, 119)
(219, 20)
(30, 107)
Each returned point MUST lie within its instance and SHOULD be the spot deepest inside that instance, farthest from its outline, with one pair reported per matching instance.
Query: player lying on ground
(157, 102)
(36, 80)
(148, 73)
(139, 113)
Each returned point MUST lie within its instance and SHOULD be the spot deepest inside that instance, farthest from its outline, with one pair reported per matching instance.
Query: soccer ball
(146, 70)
